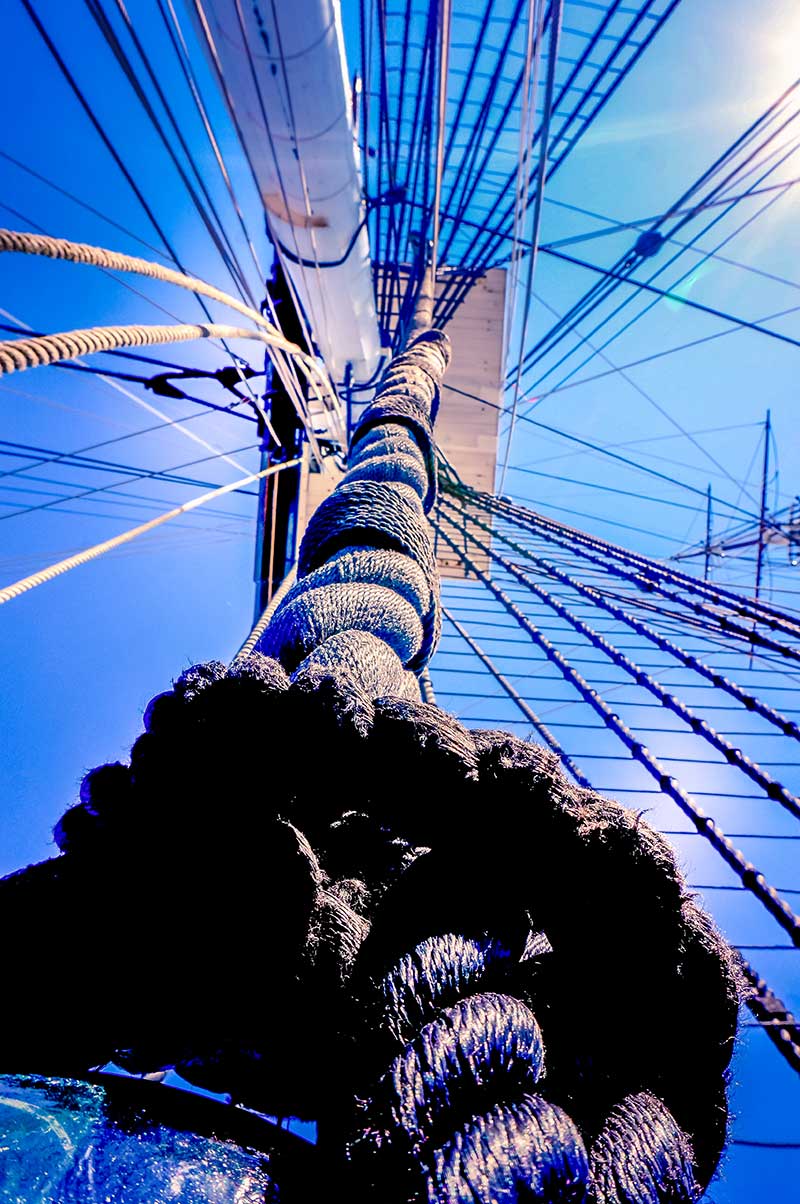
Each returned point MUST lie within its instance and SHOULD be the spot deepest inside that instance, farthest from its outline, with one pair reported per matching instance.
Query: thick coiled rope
(366, 596)
(487, 983)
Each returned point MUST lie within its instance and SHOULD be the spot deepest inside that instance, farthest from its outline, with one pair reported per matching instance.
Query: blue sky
(82, 655)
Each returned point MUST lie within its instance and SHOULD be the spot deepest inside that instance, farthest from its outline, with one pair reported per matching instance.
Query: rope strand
(71, 562)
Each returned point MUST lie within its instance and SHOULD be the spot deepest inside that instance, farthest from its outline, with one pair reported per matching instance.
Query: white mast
(284, 73)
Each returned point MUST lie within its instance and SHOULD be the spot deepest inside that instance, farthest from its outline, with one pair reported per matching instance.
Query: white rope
(72, 562)
(101, 257)
(17, 355)
(77, 252)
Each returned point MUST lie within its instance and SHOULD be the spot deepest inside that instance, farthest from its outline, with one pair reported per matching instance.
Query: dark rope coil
(366, 562)
(486, 982)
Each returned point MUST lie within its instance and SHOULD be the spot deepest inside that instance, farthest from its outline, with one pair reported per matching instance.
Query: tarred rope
(487, 983)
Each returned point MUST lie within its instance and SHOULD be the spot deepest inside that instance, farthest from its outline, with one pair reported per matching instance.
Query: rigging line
(629, 265)
(607, 448)
(213, 54)
(418, 160)
(459, 217)
(40, 230)
(604, 451)
(124, 355)
(152, 409)
(648, 397)
(713, 637)
(139, 475)
(16, 355)
(225, 528)
(84, 253)
(268, 130)
(717, 679)
(785, 890)
(51, 403)
(766, 1145)
(263, 622)
(541, 175)
(222, 244)
(766, 1006)
(93, 256)
(95, 464)
(671, 539)
(394, 148)
(419, 157)
(178, 424)
(475, 147)
(79, 95)
(737, 174)
(422, 155)
(521, 191)
(445, 16)
(586, 121)
(176, 35)
(707, 254)
(680, 280)
(608, 273)
(179, 394)
(519, 702)
(83, 204)
(217, 233)
(123, 498)
(656, 355)
(777, 907)
(289, 111)
(476, 48)
(62, 566)
(178, 42)
(724, 534)
(720, 597)
(618, 227)
(383, 154)
(650, 575)
(468, 158)
(79, 366)
(628, 443)
(658, 21)
(229, 516)
(467, 194)
(287, 378)
(81, 98)
(626, 264)
(363, 115)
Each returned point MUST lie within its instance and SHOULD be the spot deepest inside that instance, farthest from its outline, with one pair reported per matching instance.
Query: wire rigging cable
(541, 176)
